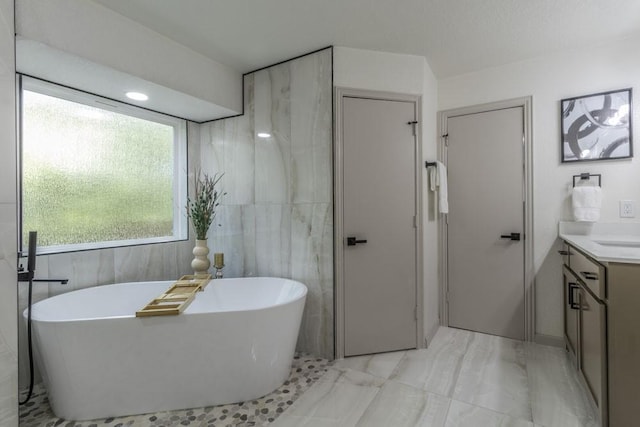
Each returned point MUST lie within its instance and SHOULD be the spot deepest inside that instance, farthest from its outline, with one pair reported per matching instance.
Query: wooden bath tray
(176, 298)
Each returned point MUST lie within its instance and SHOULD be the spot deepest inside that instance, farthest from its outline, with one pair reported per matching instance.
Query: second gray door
(485, 223)
(379, 206)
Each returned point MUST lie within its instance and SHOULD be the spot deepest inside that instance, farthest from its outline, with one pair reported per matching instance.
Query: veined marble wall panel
(211, 156)
(83, 269)
(311, 129)
(280, 224)
(238, 152)
(273, 116)
(167, 261)
(8, 316)
(8, 233)
(236, 238)
(312, 264)
(273, 240)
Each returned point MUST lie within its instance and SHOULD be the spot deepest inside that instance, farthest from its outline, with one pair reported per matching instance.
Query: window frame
(180, 161)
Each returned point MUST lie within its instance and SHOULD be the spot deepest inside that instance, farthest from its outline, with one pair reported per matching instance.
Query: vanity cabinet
(571, 313)
(602, 332)
(593, 346)
(585, 322)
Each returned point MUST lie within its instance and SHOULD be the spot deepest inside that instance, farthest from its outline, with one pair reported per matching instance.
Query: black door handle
(351, 241)
(512, 236)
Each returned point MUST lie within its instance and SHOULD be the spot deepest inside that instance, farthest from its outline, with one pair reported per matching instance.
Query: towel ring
(587, 176)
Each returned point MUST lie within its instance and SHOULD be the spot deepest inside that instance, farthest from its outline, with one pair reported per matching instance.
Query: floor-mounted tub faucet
(28, 275)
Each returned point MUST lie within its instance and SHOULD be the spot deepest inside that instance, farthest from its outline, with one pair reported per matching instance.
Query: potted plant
(202, 212)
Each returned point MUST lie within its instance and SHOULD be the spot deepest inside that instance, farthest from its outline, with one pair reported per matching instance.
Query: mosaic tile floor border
(305, 371)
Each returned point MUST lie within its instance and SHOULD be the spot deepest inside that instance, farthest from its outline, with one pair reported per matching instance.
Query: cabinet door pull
(574, 305)
(589, 275)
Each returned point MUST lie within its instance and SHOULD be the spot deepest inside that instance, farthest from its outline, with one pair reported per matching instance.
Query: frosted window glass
(93, 175)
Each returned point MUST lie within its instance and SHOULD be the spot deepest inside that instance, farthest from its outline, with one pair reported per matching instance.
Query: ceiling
(456, 36)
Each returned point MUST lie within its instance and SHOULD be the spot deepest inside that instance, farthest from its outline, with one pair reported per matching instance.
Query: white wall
(430, 223)
(8, 290)
(549, 79)
(382, 71)
(389, 72)
(114, 41)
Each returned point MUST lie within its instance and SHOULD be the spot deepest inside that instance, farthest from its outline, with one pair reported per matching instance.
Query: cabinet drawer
(564, 252)
(589, 271)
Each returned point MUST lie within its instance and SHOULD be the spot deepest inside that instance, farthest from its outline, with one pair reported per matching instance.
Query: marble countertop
(604, 242)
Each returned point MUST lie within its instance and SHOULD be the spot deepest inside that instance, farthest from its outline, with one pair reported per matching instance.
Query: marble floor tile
(436, 368)
(286, 420)
(464, 415)
(494, 376)
(338, 398)
(381, 365)
(351, 376)
(400, 405)
(480, 381)
(558, 398)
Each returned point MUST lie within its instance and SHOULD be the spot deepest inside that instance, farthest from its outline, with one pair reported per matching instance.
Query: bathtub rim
(303, 294)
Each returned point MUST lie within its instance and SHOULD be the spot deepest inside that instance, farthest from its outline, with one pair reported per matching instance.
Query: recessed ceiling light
(137, 96)
(264, 135)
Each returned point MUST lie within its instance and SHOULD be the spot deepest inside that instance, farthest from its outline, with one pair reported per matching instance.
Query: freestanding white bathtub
(235, 342)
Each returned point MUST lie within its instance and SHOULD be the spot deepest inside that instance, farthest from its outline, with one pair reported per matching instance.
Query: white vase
(201, 263)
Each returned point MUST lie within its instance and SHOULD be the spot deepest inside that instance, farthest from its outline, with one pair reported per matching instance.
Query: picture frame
(597, 126)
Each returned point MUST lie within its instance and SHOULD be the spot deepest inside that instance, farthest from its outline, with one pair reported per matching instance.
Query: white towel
(433, 178)
(443, 198)
(586, 200)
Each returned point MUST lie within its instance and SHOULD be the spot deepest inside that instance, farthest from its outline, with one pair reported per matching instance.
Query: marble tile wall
(8, 297)
(277, 218)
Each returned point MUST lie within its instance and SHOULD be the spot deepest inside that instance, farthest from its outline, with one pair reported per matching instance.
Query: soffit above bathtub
(46, 63)
(455, 36)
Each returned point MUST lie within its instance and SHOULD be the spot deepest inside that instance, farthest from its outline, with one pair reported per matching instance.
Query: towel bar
(586, 176)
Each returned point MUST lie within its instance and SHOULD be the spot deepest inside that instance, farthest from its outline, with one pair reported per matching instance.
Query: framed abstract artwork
(597, 126)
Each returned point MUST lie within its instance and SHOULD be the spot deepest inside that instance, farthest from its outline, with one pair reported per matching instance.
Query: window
(97, 173)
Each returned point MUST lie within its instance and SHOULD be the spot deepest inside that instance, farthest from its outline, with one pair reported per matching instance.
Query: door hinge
(413, 124)
(415, 312)
(446, 139)
(415, 222)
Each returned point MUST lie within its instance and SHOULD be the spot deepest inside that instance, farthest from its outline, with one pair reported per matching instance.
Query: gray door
(379, 206)
(486, 202)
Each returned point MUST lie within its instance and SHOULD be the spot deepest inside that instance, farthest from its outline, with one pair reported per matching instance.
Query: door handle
(351, 241)
(512, 236)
